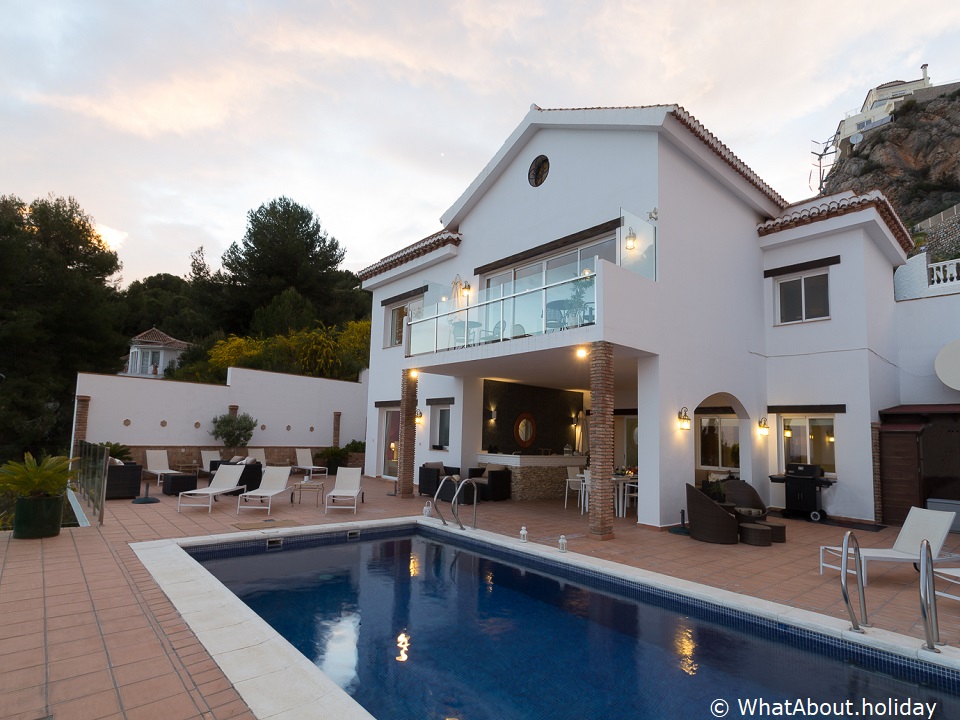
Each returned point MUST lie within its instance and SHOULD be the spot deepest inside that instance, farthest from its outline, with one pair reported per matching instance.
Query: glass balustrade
(508, 311)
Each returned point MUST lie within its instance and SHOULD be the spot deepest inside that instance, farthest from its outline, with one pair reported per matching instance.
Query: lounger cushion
(237, 459)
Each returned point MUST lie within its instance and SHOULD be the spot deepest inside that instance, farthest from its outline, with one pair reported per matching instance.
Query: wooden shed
(919, 457)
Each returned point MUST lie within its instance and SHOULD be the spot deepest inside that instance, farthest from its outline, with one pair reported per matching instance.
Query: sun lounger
(929, 525)
(226, 480)
(158, 464)
(273, 483)
(347, 487)
(305, 463)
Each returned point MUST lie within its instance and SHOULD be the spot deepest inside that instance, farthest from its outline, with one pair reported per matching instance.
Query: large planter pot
(37, 517)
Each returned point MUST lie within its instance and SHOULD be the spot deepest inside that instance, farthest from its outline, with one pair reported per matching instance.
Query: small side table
(315, 486)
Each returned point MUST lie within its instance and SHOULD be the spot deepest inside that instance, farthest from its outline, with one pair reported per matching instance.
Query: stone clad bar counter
(535, 477)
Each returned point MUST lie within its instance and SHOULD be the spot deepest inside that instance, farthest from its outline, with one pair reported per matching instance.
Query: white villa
(616, 281)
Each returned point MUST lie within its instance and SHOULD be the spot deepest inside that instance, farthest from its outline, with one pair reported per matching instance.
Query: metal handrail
(455, 503)
(858, 562)
(436, 498)
(928, 599)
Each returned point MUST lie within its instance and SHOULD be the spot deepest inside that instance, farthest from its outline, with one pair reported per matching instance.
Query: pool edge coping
(288, 685)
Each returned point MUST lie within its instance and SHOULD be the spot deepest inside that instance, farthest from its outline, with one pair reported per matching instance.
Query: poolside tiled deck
(87, 634)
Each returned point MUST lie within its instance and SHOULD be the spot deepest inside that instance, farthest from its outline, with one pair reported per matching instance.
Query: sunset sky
(170, 120)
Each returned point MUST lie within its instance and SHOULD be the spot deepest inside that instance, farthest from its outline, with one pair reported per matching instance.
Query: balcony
(502, 313)
(944, 273)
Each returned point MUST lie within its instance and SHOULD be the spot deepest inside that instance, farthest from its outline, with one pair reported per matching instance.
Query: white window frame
(729, 419)
(806, 418)
(802, 277)
(412, 309)
(436, 412)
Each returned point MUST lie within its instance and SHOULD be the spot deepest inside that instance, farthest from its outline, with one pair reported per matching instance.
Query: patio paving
(87, 634)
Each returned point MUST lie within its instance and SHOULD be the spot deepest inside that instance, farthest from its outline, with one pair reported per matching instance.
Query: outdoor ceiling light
(764, 429)
(631, 242)
(414, 373)
(683, 420)
(581, 353)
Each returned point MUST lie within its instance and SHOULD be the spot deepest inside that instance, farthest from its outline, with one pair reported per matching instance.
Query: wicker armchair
(123, 481)
(748, 507)
(495, 485)
(430, 475)
(709, 522)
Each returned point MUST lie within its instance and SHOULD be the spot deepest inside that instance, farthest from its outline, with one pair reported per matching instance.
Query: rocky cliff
(914, 160)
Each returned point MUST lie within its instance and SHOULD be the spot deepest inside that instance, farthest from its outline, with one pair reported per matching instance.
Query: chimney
(926, 80)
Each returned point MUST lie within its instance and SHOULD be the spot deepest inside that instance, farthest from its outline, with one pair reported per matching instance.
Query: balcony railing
(943, 273)
(502, 313)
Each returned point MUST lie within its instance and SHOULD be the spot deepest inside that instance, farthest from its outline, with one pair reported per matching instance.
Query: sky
(170, 120)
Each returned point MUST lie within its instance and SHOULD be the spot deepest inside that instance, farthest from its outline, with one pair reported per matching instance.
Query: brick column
(336, 429)
(877, 486)
(601, 441)
(408, 434)
(80, 426)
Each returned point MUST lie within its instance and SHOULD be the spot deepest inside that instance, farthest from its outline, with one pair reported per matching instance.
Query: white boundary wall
(292, 410)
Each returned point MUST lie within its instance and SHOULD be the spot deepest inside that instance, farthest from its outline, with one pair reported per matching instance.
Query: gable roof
(159, 339)
(836, 206)
(405, 255)
(656, 118)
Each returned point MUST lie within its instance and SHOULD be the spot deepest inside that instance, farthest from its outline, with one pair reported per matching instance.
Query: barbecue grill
(804, 485)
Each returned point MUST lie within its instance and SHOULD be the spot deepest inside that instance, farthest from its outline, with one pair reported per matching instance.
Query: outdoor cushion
(434, 465)
(237, 459)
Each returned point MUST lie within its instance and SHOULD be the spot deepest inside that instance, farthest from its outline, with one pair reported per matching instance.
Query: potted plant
(234, 430)
(39, 489)
(334, 457)
(118, 451)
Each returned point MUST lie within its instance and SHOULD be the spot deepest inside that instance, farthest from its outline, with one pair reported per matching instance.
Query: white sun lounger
(226, 480)
(929, 525)
(274, 482)
(305, 463)
(347, 486)
(158, 464)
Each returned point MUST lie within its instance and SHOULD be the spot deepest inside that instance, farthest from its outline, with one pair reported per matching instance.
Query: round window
(539, 169)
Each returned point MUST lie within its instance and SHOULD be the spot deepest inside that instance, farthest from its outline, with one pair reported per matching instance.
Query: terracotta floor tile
(25, 700)
(142, 670)
(80, 686)
(74, 667)
(180, 707)
(97, 706)
(144, 692)
(21, 679)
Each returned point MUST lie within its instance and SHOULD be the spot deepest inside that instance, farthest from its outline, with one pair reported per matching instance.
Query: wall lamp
(631, 240)
(418, 417)
(466, 289)
(787, 432)
(491, 414)
(683, 420)
(762, 426)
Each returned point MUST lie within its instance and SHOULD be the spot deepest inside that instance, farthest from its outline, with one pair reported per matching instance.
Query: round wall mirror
(524, 430)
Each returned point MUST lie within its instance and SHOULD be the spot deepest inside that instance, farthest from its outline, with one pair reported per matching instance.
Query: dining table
(622, 484)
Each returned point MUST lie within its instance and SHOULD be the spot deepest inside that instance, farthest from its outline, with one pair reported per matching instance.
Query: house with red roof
(151, 353)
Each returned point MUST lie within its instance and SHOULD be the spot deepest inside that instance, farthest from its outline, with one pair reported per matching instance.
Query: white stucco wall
(167, 413)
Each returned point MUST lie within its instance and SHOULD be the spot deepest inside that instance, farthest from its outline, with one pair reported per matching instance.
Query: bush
(234, 430)
(355, 446)
(118, 451)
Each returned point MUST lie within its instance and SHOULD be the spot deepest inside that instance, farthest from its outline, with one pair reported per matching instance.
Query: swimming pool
(415, 628)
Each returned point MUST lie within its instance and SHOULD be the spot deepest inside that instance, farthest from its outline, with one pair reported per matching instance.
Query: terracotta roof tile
(160, 338)
(417, 249)
(835, 208)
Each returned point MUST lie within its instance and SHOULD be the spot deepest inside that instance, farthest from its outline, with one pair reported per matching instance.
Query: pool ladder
(849, 538)
(455, 502)
(928, 599)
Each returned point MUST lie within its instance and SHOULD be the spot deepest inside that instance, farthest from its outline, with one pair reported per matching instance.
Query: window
(440, 427)
(720, 442)
(148, 360)
(396, 319)
(810, 440)
(803, 298)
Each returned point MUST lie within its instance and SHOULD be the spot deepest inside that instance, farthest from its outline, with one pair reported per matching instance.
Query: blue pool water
(489, 639)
